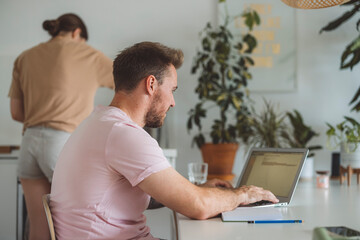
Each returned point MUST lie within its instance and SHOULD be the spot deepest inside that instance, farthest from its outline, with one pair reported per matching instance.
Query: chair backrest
(46, 202)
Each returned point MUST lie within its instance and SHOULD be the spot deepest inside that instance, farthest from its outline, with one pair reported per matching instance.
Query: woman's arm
(17, 109)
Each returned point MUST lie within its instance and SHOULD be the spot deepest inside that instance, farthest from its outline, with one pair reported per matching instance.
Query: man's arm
(153, 204)
(177, 193)
(17, 109)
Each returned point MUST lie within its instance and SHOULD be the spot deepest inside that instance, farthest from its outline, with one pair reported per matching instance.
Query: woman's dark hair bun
(68, 22)
(52, 26)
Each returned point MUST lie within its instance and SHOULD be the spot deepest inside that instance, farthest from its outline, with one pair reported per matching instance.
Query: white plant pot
(307, 172)
(349, 158)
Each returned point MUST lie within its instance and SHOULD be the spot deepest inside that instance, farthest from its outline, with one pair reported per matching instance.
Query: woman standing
(52, 91)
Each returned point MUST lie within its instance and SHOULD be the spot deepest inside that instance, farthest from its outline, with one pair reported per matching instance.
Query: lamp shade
(313, 4)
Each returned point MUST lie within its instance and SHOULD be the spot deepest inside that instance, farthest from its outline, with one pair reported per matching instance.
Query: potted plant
(346, 135)
(301, 134)
(299, 137)
(267, 128)
(271, 129)
(222, 65)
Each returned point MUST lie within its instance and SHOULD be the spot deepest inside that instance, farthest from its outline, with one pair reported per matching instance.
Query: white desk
(336, 206)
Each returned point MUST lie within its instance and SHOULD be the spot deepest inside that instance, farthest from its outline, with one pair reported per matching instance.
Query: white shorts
(39, 151)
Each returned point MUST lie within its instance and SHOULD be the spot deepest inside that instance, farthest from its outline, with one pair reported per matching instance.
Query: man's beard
(152, 118)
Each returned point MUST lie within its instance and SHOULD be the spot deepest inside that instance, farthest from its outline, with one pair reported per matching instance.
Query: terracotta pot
(220, 159)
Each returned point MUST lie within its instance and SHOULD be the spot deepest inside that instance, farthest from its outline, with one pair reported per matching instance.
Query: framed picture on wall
(275, 54)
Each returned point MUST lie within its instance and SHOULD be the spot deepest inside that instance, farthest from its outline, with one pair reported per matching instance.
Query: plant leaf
(337, 22)
(256, 18)
(247, 75)
(238, 46)
(251, 42)
(351, 52)
(352, 121)
(199, 140)
(249, 21)
(356, 96)
(229, 74)
(189, 124)
(221, 97)
(250, 60)
(236, 102)
(206, 44)
(331, 130)
(356, 107)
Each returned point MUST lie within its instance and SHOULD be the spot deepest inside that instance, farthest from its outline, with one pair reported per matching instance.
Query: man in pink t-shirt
(110, 166)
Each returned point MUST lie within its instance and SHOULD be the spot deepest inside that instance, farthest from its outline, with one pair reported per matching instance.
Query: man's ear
(151, 84)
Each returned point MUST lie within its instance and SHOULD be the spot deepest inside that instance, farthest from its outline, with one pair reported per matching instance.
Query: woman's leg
(33, 190)
(39, 151)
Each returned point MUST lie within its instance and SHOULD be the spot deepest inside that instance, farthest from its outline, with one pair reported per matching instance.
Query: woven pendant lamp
(313, 4)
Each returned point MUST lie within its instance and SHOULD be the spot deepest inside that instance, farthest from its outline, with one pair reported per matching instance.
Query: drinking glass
(197, 172)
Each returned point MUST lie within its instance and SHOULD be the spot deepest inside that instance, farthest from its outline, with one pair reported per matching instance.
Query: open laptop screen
(277, 171)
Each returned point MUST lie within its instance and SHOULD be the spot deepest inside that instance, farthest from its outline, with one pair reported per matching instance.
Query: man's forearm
(197, 202)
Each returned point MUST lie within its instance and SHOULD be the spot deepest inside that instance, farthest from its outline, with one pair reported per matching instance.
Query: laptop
(274, 169)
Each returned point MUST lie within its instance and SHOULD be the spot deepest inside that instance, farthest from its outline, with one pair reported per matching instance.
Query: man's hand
(255, 194)
(217, 183)
(251, 193)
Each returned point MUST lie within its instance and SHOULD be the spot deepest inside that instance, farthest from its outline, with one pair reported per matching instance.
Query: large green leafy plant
(351, 55)
(222, 65)
(348, 131)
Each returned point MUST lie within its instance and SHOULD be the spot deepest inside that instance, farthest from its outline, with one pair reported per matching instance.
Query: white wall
(322, 94)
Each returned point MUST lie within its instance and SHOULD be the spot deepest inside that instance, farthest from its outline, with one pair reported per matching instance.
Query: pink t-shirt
(94, 191)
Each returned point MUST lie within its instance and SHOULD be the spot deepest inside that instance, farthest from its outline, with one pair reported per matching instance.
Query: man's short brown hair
(142, 60)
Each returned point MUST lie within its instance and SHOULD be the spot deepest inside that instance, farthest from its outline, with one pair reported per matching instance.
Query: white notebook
(246, 214)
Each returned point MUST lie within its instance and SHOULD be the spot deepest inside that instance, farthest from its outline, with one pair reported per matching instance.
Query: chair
(175, 225)
(46, 202)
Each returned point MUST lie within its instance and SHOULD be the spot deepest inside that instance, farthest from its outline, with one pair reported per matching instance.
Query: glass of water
(197, 172)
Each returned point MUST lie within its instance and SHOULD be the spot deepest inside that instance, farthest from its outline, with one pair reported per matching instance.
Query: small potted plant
(299, 137)
(271, 129)
(267, 128)
(346, 135)
(301, 134)
(222, 65)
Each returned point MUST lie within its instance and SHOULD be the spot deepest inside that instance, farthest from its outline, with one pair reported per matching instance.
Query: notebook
(274, 169)
(246, 214)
